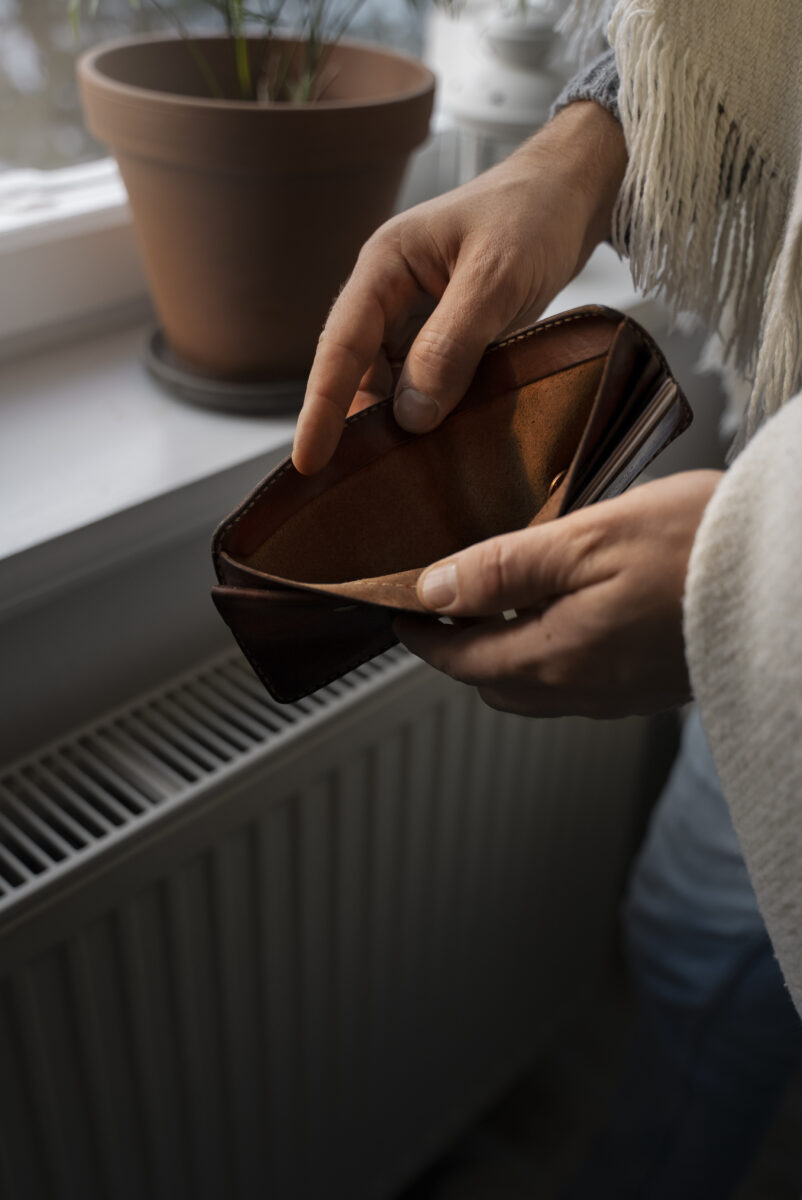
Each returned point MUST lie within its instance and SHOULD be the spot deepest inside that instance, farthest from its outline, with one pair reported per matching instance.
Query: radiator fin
(60, 804)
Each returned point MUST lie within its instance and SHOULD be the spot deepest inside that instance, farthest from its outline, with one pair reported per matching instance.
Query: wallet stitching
(235, 519)
(527, 333)
(408, 586)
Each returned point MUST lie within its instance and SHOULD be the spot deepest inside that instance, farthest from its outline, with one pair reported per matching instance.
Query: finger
(376, 384)
(530, 703)
(491, 653)
(533, 702)
(523, 570)
(491, 661)
(380, 379)
(442, 360)
(380, 290)
(401, 333)
(348, 345)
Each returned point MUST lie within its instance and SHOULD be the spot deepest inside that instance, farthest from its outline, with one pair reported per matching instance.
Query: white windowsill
(99, 462)
(46, 206)
(68, 255)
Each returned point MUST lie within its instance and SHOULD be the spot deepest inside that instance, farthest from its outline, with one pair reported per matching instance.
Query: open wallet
(313, 569)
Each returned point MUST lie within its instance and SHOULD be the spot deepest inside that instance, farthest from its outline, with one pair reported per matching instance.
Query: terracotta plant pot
(250, 215)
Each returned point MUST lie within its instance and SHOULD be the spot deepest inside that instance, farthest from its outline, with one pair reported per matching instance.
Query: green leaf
(74, 13)
(243, 67)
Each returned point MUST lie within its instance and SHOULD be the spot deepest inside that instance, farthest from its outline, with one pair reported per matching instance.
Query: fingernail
(438, 586)
(414, 411)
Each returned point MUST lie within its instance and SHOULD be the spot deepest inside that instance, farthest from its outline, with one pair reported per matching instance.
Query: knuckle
(384, 244)
(416, 239)
(493, 257)
(381, 238)
(554, 674)
(454, 670)
(497, 267)
(495, 570)
(371, 251)
(323, 400)
(589, 549)
(574, 556)
(463, 659)
(440, 350)
(331, 344)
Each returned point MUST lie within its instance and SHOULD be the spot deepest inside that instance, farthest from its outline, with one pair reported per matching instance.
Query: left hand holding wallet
(597, 598)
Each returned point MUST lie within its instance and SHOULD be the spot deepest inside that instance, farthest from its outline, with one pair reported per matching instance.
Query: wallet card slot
(636, 450)
(631, 368)
(622, 428)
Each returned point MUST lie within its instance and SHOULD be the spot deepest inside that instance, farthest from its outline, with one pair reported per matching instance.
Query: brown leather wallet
(312, 569)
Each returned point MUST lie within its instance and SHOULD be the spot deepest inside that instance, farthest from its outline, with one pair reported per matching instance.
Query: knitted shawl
(710, 212)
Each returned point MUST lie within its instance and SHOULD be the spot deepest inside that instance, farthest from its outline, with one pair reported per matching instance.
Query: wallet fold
(313, 569)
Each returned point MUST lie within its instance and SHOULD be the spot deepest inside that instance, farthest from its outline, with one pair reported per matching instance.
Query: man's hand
(435, 285)
(598, 597)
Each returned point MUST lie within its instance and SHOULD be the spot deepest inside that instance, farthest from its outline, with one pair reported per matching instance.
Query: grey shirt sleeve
(598, 82)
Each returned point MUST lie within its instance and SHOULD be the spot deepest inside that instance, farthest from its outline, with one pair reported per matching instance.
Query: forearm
(599, 84)
(590, 142)
(584, 141)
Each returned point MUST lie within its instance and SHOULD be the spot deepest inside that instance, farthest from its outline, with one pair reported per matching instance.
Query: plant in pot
(256, 165)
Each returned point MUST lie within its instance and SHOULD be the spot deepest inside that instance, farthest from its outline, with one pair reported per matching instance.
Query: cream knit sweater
(711, 213)
(743, 633)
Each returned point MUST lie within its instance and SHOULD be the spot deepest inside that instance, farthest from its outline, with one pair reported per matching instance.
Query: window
(42, 126)
(67, 254)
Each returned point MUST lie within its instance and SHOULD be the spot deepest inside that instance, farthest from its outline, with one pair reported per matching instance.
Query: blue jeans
(716, 1034)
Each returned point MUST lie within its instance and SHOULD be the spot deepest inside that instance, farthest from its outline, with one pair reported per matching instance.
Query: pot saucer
(252, 397)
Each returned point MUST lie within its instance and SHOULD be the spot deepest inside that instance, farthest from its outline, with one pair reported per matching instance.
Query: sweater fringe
(702, 211)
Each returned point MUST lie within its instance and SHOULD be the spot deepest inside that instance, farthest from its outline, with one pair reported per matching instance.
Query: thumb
(444, 356)
(522, 570)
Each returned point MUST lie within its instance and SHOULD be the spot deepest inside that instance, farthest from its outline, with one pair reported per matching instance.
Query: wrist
(586, 151)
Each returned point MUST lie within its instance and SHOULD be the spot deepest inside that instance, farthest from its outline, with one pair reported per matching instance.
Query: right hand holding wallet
(313, 569)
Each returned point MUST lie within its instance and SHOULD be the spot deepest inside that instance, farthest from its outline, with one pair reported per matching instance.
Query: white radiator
(287, 952)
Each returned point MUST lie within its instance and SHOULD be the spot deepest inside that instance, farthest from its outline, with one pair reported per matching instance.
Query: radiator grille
(75, 795)
(300, 971)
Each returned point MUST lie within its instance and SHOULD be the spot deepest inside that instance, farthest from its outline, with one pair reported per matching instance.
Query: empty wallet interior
(487, 470)
(312, 569)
